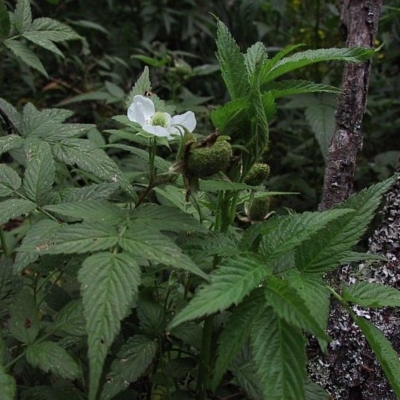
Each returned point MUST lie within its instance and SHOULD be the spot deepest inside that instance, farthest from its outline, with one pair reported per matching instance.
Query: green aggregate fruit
(258, 173)
(206, 161)
(258, 208)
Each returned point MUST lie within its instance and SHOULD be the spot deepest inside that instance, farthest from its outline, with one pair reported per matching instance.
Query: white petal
(156, 130)
(141, 110)
(188, 120)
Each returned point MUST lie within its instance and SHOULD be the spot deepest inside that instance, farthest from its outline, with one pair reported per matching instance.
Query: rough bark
(350, 370)
(359, 20)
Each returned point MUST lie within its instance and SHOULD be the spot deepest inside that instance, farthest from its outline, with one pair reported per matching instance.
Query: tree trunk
(359, 19)
(350, 370)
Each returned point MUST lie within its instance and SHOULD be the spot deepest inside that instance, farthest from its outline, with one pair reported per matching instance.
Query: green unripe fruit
(258, 173)
(258, 208)
(206, 161)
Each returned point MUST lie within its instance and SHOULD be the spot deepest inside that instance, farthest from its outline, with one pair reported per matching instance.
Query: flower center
(159, 119)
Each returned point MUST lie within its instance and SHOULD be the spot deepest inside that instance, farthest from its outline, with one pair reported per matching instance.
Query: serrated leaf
(291, 307)
(7, 382)
(53, 30)
(9, 181)
(59, 392)
(40, 38)
(13, 208)
(372, 295)
(132, 360)
(165, 218)
(309, 57)
(35, 237)
(230, 283)
(387, 356)
(23, 52)
(255, 56)
(10, 142)
(152, 318)
(283, 234)
(23, 15)
(316, 392)
(154, 246)
(322, 253)
(190, 333)
(109, 284)
(40, 171)
(90, 210)
(236, 331)
(312, 290)
(69, 319)
(24, 322)
(321, 118)
(101, 191)
(142, 86)
(75, 238)
(11, 112)
(231, 61)
(279, 353)
(291, 87)
(50, 357)
(5, 23)
(88, 157)
(354, 256)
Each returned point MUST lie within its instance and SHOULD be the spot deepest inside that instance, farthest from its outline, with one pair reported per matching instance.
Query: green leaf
(217, 186)
(12, 114)
(323, 251)
(132, 360)
(142, 86)
(279, 353)
(23, 16)
(152, 318)
(53, 30)
(59, 392)
(9, 181)
(21, 51)
(109, 285)
(312, 290)
(75, 238)
(13, 208)
(7, 382)
(255, 56)
(50, 357)
(5, 24)
(225, 115)
(283, 234)
(309, 57)
(40, 171)
(24, 322)
(291, 307)
(34, 239)
(90, 210)
(10, 142)
(321, 117)
(372, 295)
(100, 191)
(231, 61)
(236, 331)
(179, 367)
(387, 356)
(291, 87)
(315, 392)
(230, 283)
(88, 157)
(165, 218)
(154, 246)
(40, 38)
(269, 64)
(69, 320)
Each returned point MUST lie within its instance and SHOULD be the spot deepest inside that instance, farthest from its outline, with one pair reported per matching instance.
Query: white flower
(158, 123)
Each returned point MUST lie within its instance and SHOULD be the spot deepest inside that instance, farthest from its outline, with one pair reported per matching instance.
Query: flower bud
(258, 173)
(258, 209)
(206, 161)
